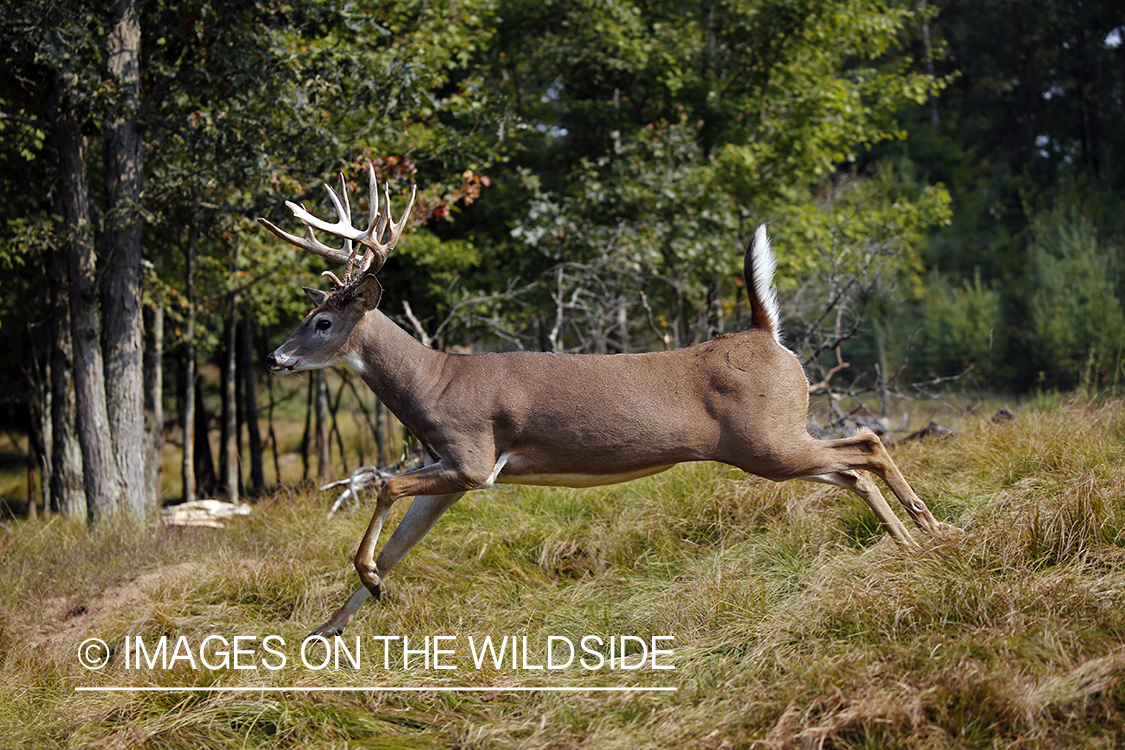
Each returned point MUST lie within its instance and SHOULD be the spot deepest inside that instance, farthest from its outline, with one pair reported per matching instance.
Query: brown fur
(580, 420)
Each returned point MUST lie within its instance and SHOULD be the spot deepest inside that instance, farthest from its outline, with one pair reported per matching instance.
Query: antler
(376, 251)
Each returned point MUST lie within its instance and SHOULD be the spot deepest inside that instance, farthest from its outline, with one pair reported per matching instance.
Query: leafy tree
(121, 262)
(239, 99)
(1077, 321)
(653, 137)
(54, 57)
(588, 170)
(962, 329)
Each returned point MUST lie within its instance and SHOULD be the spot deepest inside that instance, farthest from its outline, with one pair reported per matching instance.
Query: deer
(565, 420)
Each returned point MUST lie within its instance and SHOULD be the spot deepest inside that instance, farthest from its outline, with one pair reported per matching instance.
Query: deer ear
(318, 296)
(367, 293)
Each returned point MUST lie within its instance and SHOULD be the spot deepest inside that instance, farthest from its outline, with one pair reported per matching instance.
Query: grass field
(795, 622)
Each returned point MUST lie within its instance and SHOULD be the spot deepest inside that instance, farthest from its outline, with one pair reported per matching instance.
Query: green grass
(797, 623)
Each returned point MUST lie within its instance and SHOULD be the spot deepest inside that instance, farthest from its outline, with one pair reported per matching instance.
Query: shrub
(1076, 319)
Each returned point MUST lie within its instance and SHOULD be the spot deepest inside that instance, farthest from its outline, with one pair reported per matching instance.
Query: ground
(795, 622)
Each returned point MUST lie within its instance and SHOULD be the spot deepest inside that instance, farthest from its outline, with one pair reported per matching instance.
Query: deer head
(322, 337)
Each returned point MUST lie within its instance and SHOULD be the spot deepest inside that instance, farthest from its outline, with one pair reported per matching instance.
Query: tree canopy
(944, 197)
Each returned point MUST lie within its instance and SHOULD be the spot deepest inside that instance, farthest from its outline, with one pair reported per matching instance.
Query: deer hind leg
(424, 512)
(865, 450)
(869, 491)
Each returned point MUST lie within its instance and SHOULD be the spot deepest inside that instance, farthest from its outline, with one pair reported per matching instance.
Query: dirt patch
(68, 619)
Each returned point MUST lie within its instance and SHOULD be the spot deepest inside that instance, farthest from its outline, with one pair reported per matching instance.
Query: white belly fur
(578, 480)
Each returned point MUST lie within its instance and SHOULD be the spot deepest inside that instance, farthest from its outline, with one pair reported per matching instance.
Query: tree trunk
(334, 428)
(250, 405)
(102, 483)
(46, 434)
(206, 481)
(36, 458)
(228, 456)
(67, 494)
(154, 399)
(273, 437)
(306, 436)
(323, 463)
(121, 259)
(189, 479)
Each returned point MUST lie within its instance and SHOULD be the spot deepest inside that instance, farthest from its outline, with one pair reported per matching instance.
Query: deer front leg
(340, 620)
(423, 514)
(365, 555)
(434, 480)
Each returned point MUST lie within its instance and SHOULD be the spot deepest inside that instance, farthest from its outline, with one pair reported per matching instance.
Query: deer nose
(274, 362)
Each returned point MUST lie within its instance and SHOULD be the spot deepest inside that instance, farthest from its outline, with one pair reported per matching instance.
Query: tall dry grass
(797, 623)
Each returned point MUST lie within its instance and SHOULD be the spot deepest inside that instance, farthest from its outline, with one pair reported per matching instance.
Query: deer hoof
(369, 577)
(373, 583)
(325, 631)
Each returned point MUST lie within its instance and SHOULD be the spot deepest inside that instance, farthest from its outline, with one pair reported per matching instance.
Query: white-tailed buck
(566, 420)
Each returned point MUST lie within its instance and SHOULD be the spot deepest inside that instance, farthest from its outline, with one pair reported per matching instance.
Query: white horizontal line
(371, 689)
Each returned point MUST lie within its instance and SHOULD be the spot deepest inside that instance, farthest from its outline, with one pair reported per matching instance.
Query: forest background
(943, 182)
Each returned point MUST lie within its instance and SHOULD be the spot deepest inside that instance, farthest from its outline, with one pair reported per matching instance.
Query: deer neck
(396, 367)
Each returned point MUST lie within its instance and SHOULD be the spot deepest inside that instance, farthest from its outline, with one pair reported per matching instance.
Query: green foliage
(653, 208)
(639, 143)
(1032, 108)
(249, 119)
(645, 138)
(655, 138)
(1028, 123)
(960, 326)
(849, 263)
(1076, 318)
(440, 262)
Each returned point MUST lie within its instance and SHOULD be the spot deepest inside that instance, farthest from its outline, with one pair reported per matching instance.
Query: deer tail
(759, 271)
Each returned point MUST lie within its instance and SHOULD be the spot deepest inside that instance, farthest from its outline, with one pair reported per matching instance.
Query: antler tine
(308, 241)
(342, 227)
(373, 197)
(376, 219)
(379, 221)
(350, 249)
(383, 249)
(396, 228)
(346, 217)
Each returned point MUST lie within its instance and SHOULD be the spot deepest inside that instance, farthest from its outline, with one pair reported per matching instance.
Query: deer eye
(323, 324)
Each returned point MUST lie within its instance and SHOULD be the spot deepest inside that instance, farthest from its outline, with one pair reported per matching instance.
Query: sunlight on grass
(796, 622)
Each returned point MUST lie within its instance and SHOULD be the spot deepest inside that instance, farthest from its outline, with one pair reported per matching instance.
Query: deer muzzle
(278, 362)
